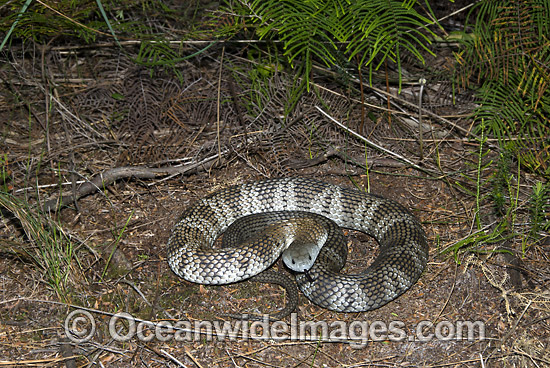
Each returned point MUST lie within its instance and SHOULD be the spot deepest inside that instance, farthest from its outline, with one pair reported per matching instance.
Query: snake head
(300, 257)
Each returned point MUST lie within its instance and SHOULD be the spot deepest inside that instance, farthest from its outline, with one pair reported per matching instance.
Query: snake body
(401, 260)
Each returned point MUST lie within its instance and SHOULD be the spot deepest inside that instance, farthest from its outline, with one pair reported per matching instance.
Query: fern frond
(315, 29)
(509, 58)
(385, 27)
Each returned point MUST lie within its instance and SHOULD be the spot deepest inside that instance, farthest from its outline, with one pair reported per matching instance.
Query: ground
(105, 252)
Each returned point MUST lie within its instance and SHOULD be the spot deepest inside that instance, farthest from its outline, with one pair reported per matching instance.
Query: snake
(401, 259)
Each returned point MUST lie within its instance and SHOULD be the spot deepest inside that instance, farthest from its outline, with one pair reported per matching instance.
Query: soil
(104, 112)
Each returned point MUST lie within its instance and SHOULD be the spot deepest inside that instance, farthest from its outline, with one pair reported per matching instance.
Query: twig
(173, 358)
(192, 357)
(218, 104)
(386, 95)
(102, 180)
(370, 143)
(466, 132)
(420, 130)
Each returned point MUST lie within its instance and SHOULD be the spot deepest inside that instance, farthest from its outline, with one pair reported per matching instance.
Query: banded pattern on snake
(403, 245)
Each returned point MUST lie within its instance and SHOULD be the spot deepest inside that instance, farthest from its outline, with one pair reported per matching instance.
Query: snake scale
(403, 247)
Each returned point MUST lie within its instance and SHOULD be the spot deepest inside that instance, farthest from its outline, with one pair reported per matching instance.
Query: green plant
(508, 57)
(540, 209)
(478, 167)
(5, 175)
(500, 182)
(266, 88)
(158, 52)
(48, 246)
(504, 194)
(118, 238)
(44, 20)
(373, 31)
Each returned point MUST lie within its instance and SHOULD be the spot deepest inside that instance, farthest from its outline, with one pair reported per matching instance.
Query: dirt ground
(70, 115)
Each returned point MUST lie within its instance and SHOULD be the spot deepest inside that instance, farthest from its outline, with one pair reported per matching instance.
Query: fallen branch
(107, 177)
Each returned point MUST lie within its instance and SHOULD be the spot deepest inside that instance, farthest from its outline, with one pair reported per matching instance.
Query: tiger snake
(403, 246)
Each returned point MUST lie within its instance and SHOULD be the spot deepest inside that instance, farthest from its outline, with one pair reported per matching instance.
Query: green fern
(160, 53)
(385, 29)
(509, 58)
(321, 30)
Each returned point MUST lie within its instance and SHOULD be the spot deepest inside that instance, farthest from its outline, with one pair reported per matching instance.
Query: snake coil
(401, 259)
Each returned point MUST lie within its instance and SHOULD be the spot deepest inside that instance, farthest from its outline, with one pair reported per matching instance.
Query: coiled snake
(403, 245)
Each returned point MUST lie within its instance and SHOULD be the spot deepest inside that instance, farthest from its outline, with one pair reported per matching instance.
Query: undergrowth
(539, 210)
(330, 32)
(495, 183)
(94, 21)
(45, 243)
(507, 61)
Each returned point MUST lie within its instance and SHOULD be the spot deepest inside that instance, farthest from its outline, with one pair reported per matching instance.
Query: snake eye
(309, 256)
(293, 261)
